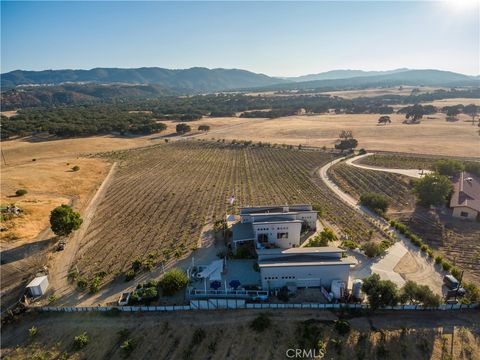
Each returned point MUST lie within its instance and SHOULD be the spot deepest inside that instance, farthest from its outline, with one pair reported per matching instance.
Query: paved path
(385, 265)
(415, 173)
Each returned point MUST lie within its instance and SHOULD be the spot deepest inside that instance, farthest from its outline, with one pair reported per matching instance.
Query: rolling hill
(193, 80)
(409, 77)
(341, 74)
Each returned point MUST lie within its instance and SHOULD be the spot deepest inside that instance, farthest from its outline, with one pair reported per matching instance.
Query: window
(282, 235)
(464, 214)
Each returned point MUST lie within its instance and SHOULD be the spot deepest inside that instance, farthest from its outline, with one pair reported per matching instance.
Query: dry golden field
(228, 334)
(434, 135)
(404, 91)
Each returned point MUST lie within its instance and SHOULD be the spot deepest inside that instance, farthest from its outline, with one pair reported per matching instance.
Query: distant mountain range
(193, 80)
(341, 74)
(70, 87)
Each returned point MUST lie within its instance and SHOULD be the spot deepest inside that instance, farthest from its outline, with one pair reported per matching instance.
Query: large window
(464, 214)
(283, 235)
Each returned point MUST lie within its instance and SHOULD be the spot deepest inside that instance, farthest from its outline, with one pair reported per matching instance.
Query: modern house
(465, 200)
(273, 226)
(302, 267)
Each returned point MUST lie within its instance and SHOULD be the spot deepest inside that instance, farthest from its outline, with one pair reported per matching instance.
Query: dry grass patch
(434, 135)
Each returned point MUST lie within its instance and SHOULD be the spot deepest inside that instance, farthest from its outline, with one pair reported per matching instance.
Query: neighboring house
(465, 199)
(302, 267)
(273, 226)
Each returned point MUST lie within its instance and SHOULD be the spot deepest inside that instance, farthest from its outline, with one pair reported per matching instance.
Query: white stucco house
(273, 226)
(302, 267)
(465, 200)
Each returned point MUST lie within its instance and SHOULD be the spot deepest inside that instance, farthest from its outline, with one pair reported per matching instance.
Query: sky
(274, 38)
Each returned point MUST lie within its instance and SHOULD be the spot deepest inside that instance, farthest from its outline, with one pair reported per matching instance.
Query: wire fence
(212, 304)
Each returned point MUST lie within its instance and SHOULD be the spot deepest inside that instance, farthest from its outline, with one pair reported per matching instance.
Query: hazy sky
(275, 38)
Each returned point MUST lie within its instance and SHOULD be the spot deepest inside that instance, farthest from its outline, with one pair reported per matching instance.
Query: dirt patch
(228, 335)
(407, 265)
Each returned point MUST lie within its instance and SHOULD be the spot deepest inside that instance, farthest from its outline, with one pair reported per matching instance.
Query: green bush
(136, 264)
(173, 281)
(130, 275)
(446, 265)
(373, 249)
(127, 346)
(33, 331)
(455, 272)
(342, 327)
(438, 259)
(76, 168)
(81, 340)
(261, 323)
(376, 202)
(82, 283)
(349, 244)
(21, 192)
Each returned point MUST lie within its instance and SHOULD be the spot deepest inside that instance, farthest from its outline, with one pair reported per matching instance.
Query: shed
(38, 286)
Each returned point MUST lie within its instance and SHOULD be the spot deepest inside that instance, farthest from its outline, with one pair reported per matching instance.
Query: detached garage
(302, 267)
(38, 286)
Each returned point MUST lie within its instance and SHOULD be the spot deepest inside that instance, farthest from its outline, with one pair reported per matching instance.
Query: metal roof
(242, 231)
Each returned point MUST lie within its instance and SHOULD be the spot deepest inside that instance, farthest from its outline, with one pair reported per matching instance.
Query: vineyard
(458, 241)
(356, 181)
(162, 196)
(399, 161)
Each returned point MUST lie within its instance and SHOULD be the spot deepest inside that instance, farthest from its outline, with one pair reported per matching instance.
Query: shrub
(380, 292)
(373, 249)
(76, 168)
(173, 281)
(446, 265)
(376, 202)
(349, 244)
(81, 340)
(82, 283)
(52, 298)
(127, 346)
(424, 248)
(33, 331)
(72, 275)
(130, 275)
(136, 264)
(198, 336)
(95, 284)
(342, 327)
(438, 259)
(430, 252)
(455, 272)
(260, 323)
(21, 192)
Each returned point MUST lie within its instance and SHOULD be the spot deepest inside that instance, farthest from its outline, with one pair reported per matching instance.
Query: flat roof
(37, 281)
(323, 262)
(242, 231)
(300, 250)
(277, 219)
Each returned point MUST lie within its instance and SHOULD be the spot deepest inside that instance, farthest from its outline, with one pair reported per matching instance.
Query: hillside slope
(195, 79)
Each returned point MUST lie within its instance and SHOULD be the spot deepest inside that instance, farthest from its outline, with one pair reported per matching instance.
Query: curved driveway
(407, 172)
(384, 266)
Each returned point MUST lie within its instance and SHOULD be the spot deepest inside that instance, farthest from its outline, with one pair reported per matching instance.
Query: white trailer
(38, 286)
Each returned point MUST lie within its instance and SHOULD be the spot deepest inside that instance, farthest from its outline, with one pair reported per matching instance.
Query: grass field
(228, 335)
(161, 197)
(355, 181)
(434, 135)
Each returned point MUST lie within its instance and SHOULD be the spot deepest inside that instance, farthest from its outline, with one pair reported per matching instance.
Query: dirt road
(408, 172)
(62, 261)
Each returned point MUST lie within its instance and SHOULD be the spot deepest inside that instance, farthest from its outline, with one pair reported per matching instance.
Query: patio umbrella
(216, 285)
(234, 284)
